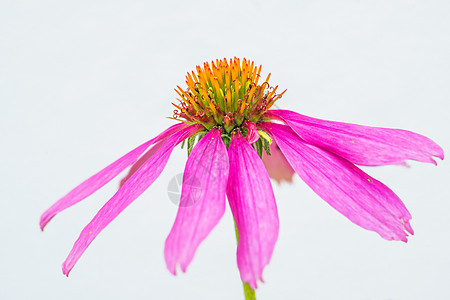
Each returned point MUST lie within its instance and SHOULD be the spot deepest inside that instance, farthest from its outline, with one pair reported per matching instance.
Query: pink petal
(141, 161)
(98, 180)
(132, 188)
(276, 164)
(254, 209)
(362, 145)
(202, 201)
(252, 132)
(362, 199)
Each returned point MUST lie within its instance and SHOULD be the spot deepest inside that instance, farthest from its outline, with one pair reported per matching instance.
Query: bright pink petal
(157, 143)
(362, 145)
(141, 161)
(252, 132)
(202, 201)
(132, 188)
(276, 164)
(98, 180)
(254, 209)
(362, 199)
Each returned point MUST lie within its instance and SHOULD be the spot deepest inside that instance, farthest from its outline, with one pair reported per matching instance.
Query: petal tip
(44, 221)
(183, 267)
(408, 228)
(253, 284)
(261, 279)
(66, 271)
(439, 153)
(171, 267)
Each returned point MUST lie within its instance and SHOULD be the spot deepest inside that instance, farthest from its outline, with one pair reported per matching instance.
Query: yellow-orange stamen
(225, 93)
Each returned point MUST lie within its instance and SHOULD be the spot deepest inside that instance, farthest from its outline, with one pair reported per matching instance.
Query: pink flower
(227, 109)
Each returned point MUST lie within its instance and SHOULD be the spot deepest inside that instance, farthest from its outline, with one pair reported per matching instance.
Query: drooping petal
(362, 145)
(95, 182)
(132, 188)
(141, 161)
(276, 164)
(202, 201)
(362, 199)
(254, 209)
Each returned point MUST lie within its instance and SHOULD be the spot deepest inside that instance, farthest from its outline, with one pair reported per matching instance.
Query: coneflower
(230, 129)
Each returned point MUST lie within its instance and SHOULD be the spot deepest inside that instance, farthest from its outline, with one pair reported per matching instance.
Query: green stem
(249, 293)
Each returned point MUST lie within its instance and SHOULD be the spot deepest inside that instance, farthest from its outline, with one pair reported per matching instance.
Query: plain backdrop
(84, 82)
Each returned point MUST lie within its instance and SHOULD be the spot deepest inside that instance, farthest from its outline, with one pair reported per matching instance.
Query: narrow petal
(254, 209)
(157, 143)
(132, 188)
(362, 199)
(95, 182)
(362, 145)
(202, 201)
(141, 161)
(276, 164)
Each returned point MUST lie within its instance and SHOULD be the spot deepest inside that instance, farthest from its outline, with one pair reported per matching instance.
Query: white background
(84, 82)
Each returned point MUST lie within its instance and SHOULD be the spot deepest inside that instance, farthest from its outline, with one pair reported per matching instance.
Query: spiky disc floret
(225, 93)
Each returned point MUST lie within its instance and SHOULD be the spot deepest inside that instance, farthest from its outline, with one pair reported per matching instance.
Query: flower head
(240, 143)
(225, 94)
